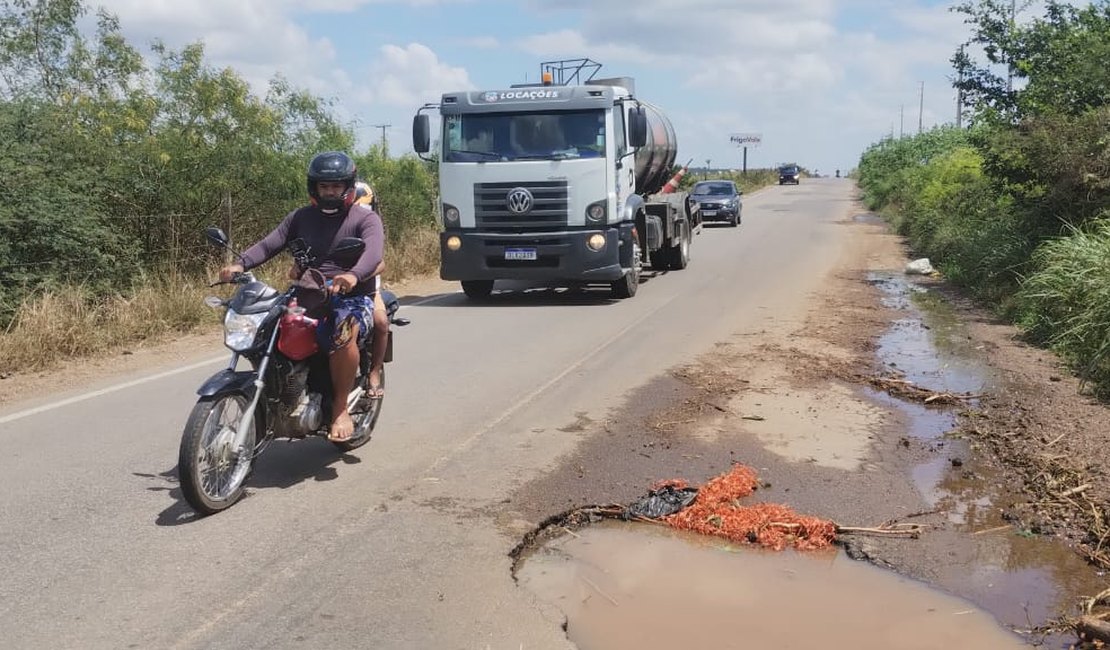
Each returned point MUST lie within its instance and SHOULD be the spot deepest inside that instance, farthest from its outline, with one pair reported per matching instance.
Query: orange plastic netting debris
(717, 511)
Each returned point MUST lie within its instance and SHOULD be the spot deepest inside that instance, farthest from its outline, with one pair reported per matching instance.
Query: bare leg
(381, 340)
(343, 364)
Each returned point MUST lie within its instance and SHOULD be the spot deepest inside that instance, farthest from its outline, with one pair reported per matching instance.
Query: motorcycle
(287, 391)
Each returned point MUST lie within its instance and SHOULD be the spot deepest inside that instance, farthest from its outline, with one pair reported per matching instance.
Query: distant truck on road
(556, 183)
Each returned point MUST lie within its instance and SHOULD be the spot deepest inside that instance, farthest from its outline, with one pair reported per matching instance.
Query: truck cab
(540, 183)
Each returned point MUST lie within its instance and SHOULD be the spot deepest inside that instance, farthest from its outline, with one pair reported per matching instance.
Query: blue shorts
(349, 316)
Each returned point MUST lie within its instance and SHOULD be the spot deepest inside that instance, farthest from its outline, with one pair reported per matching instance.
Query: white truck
(556, 184)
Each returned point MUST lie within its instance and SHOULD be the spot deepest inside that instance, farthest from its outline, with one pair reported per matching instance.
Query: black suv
(789, 174)
(718, 201)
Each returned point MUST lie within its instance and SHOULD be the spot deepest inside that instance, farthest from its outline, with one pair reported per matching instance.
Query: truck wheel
(626, 286)
(678, 256)
(477, 289)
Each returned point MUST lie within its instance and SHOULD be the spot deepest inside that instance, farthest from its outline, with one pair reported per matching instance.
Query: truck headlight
(596, 212)
(450, 215)
(241, 329)
(596, 242)
(453, 243)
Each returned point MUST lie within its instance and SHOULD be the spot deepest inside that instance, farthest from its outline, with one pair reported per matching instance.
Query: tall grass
(71, 321)
(1066, 301)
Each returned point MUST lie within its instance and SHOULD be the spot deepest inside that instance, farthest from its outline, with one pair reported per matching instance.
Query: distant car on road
(718, 201)
(789, 174)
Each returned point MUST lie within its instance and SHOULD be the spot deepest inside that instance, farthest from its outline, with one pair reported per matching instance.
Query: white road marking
(111, 389)
(19, 415)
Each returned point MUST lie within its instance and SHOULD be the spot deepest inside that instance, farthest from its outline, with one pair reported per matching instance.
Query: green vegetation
(749, 181)
(1017, 208)
(111, 169)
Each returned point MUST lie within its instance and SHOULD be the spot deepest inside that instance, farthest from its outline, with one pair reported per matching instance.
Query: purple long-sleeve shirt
(321, 232)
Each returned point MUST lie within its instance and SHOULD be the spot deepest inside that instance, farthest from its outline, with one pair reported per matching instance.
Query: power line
(385, 143)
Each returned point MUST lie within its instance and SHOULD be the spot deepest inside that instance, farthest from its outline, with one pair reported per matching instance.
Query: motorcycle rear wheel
(212, 474)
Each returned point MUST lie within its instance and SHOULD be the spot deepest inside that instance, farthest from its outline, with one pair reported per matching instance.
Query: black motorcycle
(287, 391)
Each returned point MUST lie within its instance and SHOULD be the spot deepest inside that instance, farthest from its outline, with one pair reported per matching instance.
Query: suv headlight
(241, 329)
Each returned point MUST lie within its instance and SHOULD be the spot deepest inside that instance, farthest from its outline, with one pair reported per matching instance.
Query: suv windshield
(495, 137)
(714, 189)
(789, 169)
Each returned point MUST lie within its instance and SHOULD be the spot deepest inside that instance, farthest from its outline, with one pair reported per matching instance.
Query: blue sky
(819, 80)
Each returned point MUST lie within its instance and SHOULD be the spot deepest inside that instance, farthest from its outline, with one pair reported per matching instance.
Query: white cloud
(572, 44)
(410, 76)
(815, 76)
(255, 37)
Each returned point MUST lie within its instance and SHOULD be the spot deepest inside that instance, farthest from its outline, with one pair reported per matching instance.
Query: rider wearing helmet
(364, 195)
(332, 216)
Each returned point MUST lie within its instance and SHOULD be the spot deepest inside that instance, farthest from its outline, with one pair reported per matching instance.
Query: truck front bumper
(558, 256)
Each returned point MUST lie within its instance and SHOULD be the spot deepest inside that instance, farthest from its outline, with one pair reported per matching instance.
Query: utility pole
(1010, 65)
(707, 161)
(921, 108)
(960, 96)
(385, 144)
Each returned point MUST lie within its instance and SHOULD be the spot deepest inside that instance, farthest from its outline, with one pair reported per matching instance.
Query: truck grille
(551, 199)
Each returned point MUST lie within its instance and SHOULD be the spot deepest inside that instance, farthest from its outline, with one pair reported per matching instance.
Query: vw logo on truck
(519, 200)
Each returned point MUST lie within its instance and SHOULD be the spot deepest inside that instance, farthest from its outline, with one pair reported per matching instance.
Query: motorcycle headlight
(240, 329)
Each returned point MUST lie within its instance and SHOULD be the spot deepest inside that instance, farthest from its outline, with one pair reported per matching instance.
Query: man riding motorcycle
(332, 216)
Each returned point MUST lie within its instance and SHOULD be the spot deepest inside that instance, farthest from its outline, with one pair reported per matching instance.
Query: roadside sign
(746, 139)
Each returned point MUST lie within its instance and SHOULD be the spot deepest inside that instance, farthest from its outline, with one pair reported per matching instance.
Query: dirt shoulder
(1006, 482)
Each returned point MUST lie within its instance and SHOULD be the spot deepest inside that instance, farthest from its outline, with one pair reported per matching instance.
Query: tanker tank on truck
(557, 184)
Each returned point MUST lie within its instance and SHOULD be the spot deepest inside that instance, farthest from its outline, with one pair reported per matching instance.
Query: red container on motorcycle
(297, 333)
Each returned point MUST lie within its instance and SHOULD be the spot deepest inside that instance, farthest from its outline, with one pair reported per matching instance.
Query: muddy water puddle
(1022, 579)
(647, 587)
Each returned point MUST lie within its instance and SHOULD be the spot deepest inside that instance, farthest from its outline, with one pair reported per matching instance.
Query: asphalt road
(402, 544)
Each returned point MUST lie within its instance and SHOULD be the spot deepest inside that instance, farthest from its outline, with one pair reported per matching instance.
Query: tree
(1054, 64)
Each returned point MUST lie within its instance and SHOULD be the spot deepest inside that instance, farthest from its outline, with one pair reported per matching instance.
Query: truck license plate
(520, 254)
(708, 213)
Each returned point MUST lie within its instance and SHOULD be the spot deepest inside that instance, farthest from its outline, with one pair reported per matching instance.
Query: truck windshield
(495, 137)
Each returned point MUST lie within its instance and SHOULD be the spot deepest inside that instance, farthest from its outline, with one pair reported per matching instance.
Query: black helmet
(332, 166)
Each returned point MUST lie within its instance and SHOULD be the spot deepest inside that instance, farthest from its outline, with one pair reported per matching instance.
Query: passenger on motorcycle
(332, 216)
(364, 195)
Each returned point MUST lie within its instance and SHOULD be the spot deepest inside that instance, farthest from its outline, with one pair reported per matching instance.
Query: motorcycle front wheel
(211, 471)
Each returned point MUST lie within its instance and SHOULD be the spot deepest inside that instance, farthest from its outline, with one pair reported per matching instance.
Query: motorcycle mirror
(349, 246)
(216, 236)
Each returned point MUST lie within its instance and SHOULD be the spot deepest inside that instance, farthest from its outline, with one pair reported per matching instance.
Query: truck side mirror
(421, 134)
(637, 127)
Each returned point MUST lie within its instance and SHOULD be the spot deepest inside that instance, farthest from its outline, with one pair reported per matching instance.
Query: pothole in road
(627, 585)
(637, 582)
